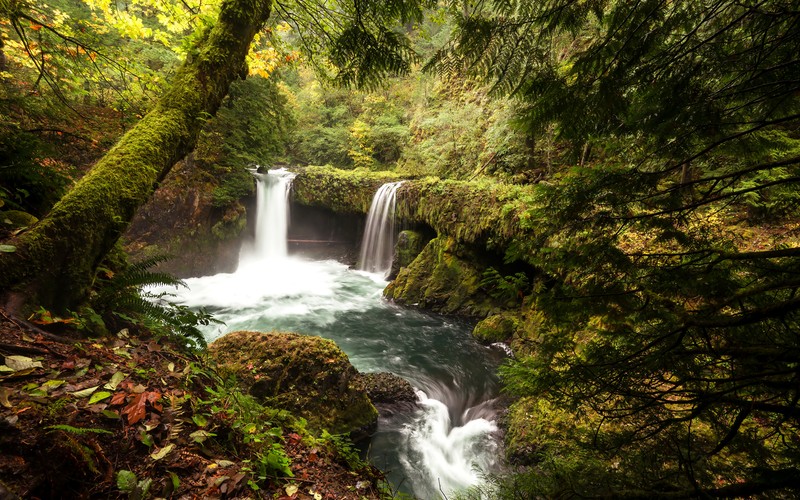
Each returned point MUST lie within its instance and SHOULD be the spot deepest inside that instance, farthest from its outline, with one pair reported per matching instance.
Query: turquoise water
(446, 445)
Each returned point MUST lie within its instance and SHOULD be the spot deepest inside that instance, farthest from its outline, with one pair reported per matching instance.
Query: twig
(439, 480)
(24, 325)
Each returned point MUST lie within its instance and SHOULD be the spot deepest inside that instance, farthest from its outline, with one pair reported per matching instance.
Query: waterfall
(272, 214)
(451, 441)
(377, 246)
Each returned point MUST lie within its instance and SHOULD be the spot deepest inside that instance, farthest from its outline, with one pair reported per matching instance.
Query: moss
(496, 328)
(409, 245)
(232, 223)
(445, 277)
(55, 261)
(485, 213)
(308, 376)
(342, 191)
(15, 219)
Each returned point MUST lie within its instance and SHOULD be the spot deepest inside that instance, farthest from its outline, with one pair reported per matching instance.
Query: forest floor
(123, 417)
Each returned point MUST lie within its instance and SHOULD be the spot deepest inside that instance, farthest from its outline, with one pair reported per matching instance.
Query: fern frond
(78, 431)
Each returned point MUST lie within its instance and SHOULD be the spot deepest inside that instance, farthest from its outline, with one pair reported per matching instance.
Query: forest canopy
(659, 352)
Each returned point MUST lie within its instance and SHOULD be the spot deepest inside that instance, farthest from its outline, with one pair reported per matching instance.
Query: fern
(78, 431)
(124, 296)
(504, 288)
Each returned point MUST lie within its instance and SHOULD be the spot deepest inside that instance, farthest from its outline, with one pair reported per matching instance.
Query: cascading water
(377, 246)
(440, 448)
(272, 221)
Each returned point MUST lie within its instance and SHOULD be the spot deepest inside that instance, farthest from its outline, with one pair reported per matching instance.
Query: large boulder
(446, 278)
(496, 328)
(309, 376)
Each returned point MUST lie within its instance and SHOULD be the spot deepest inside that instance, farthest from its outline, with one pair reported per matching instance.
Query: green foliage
(127, 482)
(356, 44)
(657, 319)
(507, 289)
(78, 431)
(342, 446)
(25, 181)
(125, 295)
(253, 428)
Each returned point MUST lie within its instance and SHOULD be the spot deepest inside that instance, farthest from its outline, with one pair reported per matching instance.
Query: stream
(445, 446)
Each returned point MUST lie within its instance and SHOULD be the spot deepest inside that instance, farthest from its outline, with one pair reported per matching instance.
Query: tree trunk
(55, 261)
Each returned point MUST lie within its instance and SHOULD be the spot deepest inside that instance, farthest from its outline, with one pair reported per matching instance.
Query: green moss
(484, 213)
(409, 245)
(342, 191)
(445, 277)
(308, 376)
(496, 328)
(536, 429)
(232, 223)
(15, 219)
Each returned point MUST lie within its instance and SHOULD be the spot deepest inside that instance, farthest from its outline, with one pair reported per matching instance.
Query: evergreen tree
(668, 336)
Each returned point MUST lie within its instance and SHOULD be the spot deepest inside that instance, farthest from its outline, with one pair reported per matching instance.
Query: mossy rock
(15, 219)
(409, 245)
(445, 277)
(341, 191)
(496, 328)
(309, 376)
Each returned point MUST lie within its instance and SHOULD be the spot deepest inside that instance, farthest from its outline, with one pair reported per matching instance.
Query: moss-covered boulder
(308, 376)
(445, 277)
(409, 245)
(496, 328)
(15, 219)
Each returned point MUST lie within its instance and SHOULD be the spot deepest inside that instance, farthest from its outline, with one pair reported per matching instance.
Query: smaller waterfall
(377, 246)
(272, 217)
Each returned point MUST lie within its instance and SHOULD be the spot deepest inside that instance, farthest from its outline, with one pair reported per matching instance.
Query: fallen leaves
(137, 408)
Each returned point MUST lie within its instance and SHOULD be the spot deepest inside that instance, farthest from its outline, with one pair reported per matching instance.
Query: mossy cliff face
(308, 376)
(181, 220)
(470, 220)
(445, 277)
(488, 214)
(341, 191)
(409, 245)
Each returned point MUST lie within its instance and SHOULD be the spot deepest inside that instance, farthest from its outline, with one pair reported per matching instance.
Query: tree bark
(55, 260)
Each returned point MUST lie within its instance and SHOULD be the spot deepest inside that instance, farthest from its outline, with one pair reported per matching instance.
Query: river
(445, 446)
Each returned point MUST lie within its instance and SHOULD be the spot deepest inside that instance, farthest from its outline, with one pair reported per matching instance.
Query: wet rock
(445, 277)
(388, 392)
(308, 376)
(409, 245)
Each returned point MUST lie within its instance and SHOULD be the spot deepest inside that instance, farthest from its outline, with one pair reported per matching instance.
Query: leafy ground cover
(126, 416)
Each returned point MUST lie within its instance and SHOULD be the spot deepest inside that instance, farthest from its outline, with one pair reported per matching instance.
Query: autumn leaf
(118, 398)
(136, 409)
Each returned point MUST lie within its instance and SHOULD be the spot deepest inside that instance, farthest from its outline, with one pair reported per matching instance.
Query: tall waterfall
(377, 246)
(272, 218)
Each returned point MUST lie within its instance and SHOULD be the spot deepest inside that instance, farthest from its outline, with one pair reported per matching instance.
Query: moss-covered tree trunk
(55, 260)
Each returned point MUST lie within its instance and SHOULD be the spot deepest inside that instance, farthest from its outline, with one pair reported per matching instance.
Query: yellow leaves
(131, 26)
(263, 62)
